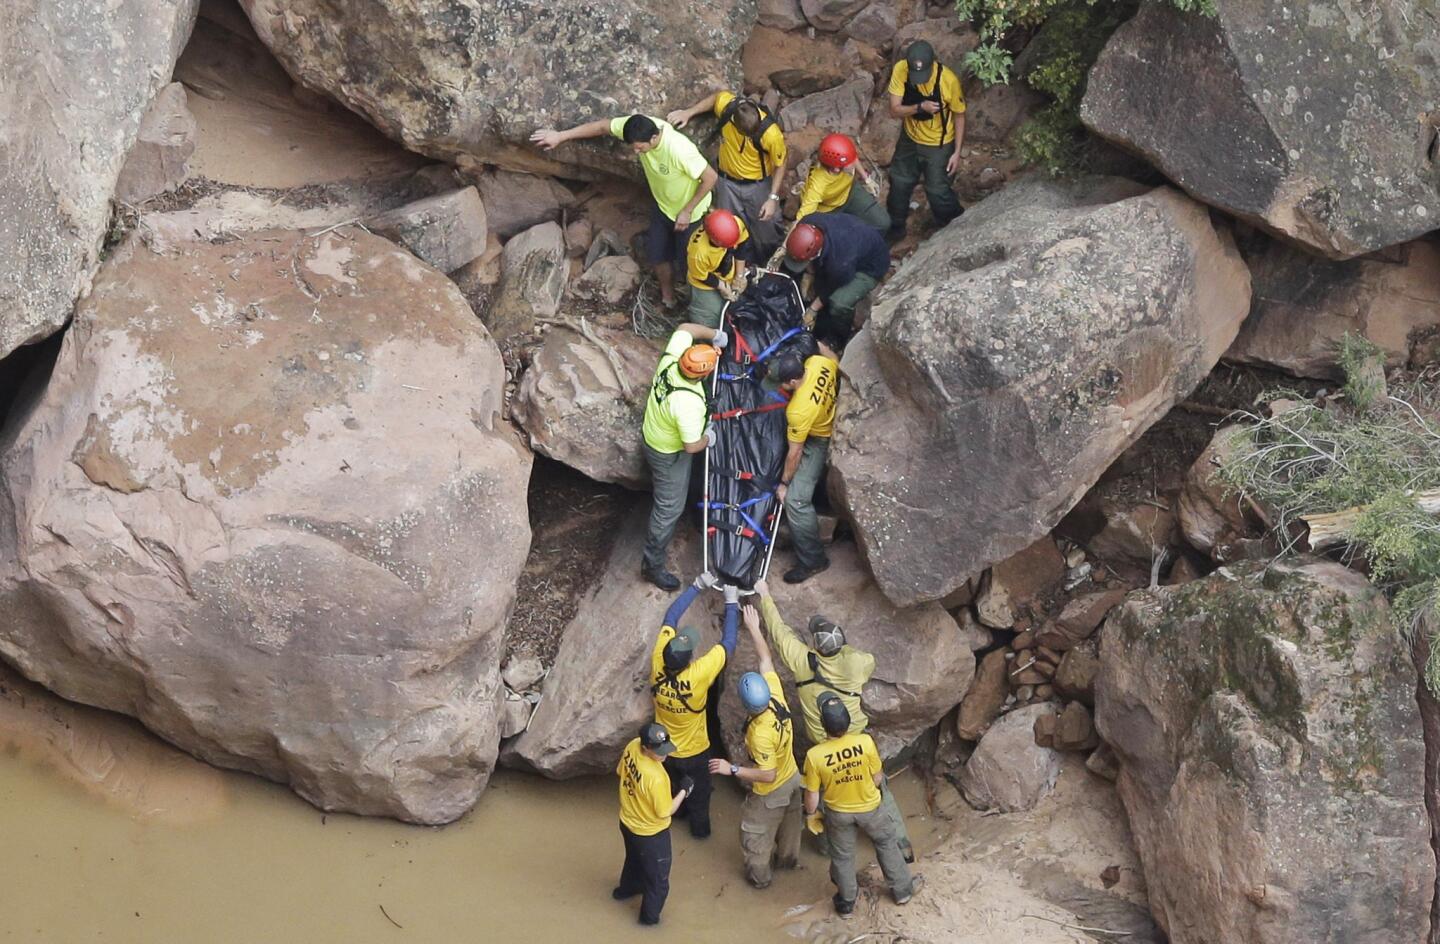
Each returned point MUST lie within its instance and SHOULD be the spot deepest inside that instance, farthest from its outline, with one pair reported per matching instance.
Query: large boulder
(1327, 119)
(533, 272)
(1271, 757)
(1012, 359)
(1009, 772)
(469, 80)
(76, 78)
(160, 160)
(247, 507)
(577, 410)
(1304, 306)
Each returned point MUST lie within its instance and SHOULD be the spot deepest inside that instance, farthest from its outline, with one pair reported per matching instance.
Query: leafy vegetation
(1374, 450)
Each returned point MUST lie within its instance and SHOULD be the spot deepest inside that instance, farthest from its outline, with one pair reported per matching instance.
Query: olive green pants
(706, 306)
(912, 162)
(800, 503)
(841, 833)
(770, 828)
(838, 319)
(862, 205)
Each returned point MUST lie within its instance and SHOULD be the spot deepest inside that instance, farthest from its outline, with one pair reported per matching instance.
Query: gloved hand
(872, 184)
(727, 291)
(707, 581)
(741, 283)
(815, 822)
(732, 594)
(709, 437)
(721, 339)
(687, 784)
(775, 260)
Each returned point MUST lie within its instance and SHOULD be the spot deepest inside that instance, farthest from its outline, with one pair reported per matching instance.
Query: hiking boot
(800, 573)
(620, 894)
(661, 578)
(843, 908)
(917, 882)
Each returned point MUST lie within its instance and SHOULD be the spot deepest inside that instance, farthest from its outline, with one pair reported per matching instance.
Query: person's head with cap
(829, 637)
(834, 716)
(656, 740)
(679, 651)
(921, 57)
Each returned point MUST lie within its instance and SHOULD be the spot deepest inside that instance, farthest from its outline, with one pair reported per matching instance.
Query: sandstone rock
(951, 39)
(159, 160)
(611, 280)
(563, 64)
(574, 409)
(521, 673)
(514, 715)
(1102, 762)
(1044, 692)
(881, 131)
(228, 517)
(875, 24)
(831, 15)
(1278, 793)
(798, 83)
(447, 230)
(977, 637)
(75, 80)
(993, 114)
(1023, 640)
(1030, 575)
(579, 236)
(1210, 514)
(1079, 619)
(993, 605)
(1012, 359)
(480, 274)
(1304, 306)
(781, 14)
(1133, 534)
(1075, 678)
(1074, 729)
(841, 109)
(517, 202)
(1183, 571)
(986, 696)
(1327, 118)
(532, 281)
(1009, 772)
(1044, 730)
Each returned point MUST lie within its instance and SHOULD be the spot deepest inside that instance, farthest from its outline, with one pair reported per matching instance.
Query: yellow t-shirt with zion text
(842, 770)
(738, 156)
(825, 190)
(930, 131)
(771, 741)
(680, 699)
(644, 792)
(811, 411)
(708, 264)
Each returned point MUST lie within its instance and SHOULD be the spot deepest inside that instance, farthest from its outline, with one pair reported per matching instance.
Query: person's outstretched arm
(549, 138)
(757, 638)
(676, 613)
(730, 635)
(680, 117)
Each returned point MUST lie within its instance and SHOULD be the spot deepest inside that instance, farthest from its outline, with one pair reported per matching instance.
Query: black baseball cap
(921, 56)
(679, 651)
(654, 737)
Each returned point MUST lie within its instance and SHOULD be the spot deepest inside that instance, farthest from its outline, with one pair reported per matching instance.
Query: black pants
(646, 871)
(696, 807)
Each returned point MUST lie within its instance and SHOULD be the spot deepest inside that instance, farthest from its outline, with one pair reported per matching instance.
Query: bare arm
(751, 617)
(676, 801)
(707, 183)
(681, 116)
(720, 767)
(812, 802)
(549, 138)
(698, 331)
(792, 465)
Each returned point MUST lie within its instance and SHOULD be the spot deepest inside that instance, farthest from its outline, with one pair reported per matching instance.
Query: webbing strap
(776, 346)
(747, 410)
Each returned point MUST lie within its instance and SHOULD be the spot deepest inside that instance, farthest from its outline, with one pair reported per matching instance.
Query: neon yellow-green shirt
(672, 168)
(952, 97)
(849, 669)
(676, 409)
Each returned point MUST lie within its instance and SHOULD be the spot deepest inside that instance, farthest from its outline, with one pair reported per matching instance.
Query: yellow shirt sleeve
(898, 75)
(659, 796)
(872, 756)
(704, 669)
(722, 101)
(810, 780)
(773, 140)
(810, 196)
(953, 92)
(617, 126)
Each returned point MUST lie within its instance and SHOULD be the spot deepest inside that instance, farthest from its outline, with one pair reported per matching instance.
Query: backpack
(913, 96)
(767, 121)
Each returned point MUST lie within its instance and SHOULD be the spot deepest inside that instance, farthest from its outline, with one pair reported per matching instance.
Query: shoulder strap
(668, 676)
(818, 679)
(663, 386)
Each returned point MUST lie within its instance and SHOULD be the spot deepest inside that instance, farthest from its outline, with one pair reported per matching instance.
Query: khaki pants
(841, 830)
(770, 828)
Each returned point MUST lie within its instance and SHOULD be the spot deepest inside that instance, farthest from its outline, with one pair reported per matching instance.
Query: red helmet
(805, 243)
(722, 228)
(837, 151)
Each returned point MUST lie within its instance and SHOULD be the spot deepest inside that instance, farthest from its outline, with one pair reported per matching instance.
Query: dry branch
(1335, 527)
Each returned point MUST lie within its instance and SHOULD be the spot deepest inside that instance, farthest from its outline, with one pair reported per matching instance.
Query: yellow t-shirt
(679, 418)
(738, 157)
(825, 190)
(843, 771)
(811, 411)
(952, 100)
(771, 742)
(680, 704)
(672, 169)
(644, 792)
(706, 263)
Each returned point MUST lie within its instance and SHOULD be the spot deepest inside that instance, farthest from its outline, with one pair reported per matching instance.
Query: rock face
(1009, 772)
(516, 202)
(1271, 757)
(841, 109)
(447, 230)
(75, 80)
(1210, 514)
(1328, 119)
(159, 161)
(232, 515)
(1014, 356)
(575, 410)
(532, 280)
(426, 71)
(1304, 306)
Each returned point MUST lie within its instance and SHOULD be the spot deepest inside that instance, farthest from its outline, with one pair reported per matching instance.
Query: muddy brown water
(108, 835)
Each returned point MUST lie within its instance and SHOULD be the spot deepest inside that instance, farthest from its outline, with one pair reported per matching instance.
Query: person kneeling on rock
(715, 266)
(830, 185)
(848, 258)
(645, 810)
(680, 684)
(845, 770)
(770, 817)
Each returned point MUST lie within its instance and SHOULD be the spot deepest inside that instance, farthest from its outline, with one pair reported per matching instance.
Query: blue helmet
(754, 692)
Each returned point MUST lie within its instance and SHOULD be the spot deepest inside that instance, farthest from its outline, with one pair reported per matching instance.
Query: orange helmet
(699, 360)
(722, 228)
(805, 243)
(837, 152)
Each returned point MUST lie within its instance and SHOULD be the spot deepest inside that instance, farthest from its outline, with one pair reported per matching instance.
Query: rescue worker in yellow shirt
(831, 666)
(845, 771)
(680, 683)
(646, 806)
(770, 818)
(830, 185)
(928, 96)
(751, 162)
(715, 266)
(812, 386)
